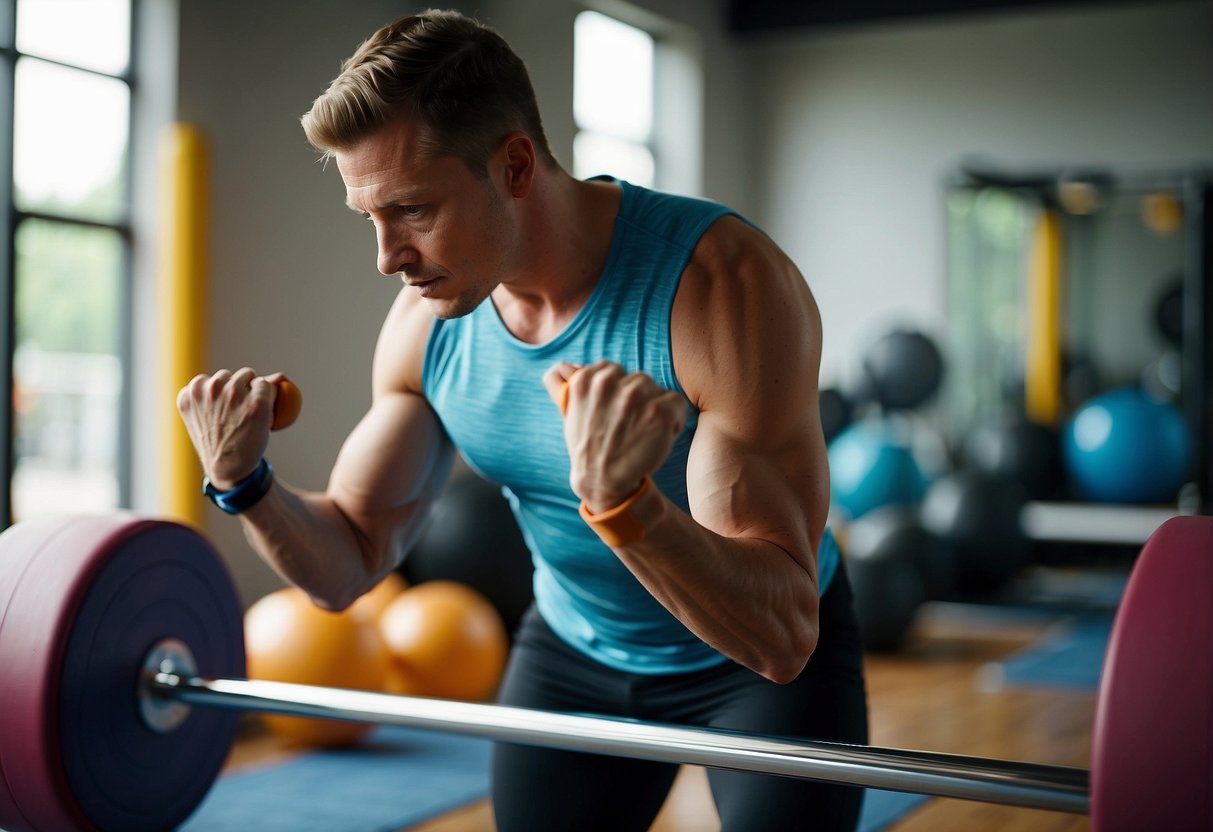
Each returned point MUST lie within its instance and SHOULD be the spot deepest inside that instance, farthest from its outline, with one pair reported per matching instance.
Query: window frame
(11, 219)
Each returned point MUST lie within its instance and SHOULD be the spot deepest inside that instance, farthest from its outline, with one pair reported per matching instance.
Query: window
(65, 270)
(613, 99)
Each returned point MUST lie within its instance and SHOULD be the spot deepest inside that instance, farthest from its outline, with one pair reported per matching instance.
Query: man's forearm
(312, 543)
(747, 597)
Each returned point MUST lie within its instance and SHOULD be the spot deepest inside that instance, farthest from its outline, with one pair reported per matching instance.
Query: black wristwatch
(247, 493)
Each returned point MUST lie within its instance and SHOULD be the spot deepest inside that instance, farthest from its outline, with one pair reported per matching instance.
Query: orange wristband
(618, 526)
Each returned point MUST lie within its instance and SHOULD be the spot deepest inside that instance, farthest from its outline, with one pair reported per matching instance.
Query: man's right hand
(229, 416)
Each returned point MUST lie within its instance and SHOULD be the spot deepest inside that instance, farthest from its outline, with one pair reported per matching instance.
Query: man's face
(438, 226)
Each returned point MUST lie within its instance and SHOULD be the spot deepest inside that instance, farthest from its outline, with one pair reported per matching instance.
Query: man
(638, 370)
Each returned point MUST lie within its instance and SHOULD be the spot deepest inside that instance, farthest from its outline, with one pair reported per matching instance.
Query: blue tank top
(487, 388)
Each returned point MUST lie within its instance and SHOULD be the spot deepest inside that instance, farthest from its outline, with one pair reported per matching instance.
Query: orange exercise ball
(446, 640)
(373, 603)
(290, 639)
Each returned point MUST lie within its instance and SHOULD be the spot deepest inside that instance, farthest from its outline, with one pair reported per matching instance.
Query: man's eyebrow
(410, 197)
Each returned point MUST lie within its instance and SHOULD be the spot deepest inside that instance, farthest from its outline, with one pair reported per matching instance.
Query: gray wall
(857, 128)
(835, 142)
(293, 283)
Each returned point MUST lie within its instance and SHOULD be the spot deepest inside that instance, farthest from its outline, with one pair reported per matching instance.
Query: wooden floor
(934, 695)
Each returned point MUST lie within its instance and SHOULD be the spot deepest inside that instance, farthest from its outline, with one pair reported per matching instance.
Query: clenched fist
(229, 417)
(619, 427)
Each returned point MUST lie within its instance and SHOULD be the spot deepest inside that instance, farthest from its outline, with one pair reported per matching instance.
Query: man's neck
(566, 231)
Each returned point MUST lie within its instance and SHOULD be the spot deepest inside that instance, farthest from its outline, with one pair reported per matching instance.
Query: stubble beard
(463, 304)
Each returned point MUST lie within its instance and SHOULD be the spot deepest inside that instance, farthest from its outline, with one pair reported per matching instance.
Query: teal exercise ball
(1124, 446)
(870, 468)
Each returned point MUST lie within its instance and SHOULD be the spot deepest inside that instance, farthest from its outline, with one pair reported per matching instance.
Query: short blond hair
(460, 78)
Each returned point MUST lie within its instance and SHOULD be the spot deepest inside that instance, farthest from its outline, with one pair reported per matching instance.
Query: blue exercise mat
(881, 808)
(396, 779)
(1070, 657)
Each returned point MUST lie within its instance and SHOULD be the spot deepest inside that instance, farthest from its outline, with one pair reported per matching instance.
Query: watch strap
(619, 526)
(246, 493)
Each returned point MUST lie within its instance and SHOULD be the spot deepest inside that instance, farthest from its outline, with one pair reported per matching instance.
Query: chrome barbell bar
(1059, 788)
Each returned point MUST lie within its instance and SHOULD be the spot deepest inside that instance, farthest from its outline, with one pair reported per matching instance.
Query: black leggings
(536, 789)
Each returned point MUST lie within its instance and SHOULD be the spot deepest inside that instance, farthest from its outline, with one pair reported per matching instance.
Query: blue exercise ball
(870, 468)
(1124, 446)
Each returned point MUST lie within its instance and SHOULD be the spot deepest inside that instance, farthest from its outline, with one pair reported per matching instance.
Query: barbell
(121, 656)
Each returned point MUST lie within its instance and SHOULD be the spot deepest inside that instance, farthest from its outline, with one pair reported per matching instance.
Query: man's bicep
(759, 486)
(396, 457)
(746, 335)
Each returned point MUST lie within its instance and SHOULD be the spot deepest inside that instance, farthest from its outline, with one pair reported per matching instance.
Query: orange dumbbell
(288, 401)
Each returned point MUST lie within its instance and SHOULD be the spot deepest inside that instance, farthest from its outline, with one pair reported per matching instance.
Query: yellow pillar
(182, 309)
(1042, 372)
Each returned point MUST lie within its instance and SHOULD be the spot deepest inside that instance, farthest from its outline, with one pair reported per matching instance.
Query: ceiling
(774, 15)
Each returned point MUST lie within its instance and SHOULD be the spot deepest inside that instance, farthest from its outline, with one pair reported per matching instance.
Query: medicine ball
(885, 554)
(1021, 450)
(904, 369)
(836, 411)
(976, 518)
(1169, 312)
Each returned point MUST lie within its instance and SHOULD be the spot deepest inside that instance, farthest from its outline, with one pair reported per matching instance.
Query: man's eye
(412, 210)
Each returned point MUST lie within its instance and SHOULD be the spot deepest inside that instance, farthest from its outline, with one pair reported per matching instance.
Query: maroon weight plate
(84, 600)
(1152, 748)
(37, 612)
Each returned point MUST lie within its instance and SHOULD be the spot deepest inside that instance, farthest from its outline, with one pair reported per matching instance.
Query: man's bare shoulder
(733, 255)
(743, 312)
(400, 352)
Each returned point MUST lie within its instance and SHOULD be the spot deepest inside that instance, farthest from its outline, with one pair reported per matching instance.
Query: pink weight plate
(1152, 748)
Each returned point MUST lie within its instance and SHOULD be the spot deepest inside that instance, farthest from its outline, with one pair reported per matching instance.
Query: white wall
(858, 126)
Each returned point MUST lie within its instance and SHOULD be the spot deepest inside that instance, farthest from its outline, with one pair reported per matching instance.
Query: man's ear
(517, 158)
